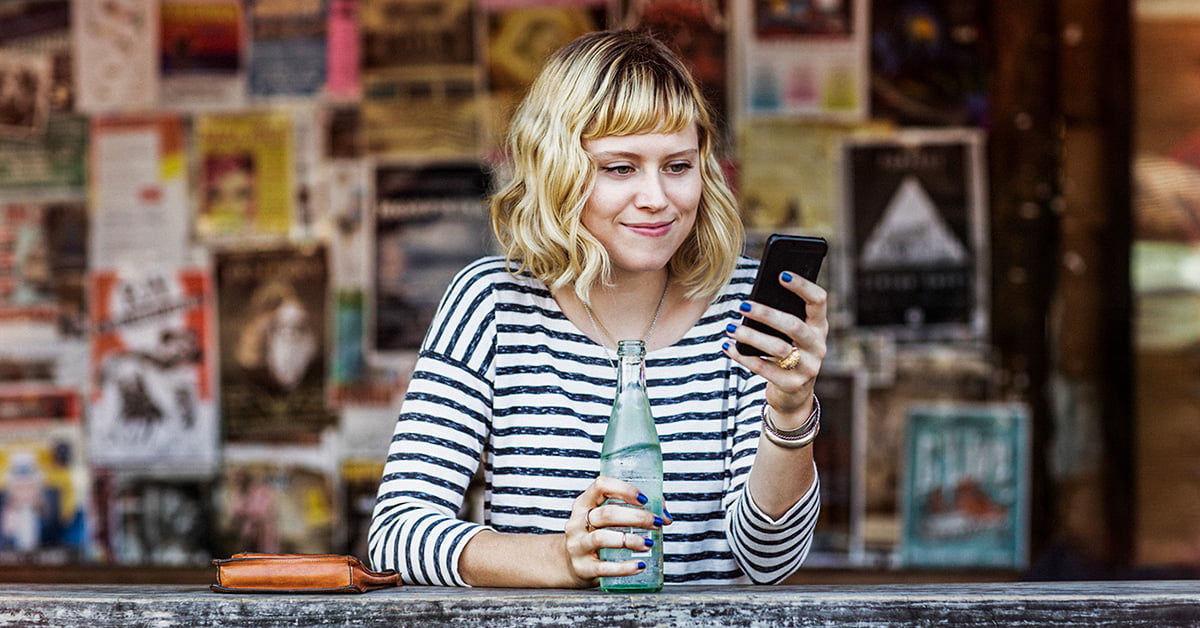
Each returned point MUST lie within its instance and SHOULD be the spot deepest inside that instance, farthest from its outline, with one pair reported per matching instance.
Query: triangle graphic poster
(916, 256)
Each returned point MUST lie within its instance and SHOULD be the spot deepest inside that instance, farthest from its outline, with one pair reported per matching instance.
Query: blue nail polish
(667, 513)
(731, 328)
(658, 523)
(649, 542)
(725, 346)
(641, 565)
(642, 499)
(786, 276)
(745, 307)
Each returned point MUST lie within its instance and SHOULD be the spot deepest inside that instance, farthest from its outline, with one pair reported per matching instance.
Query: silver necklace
(603, 332)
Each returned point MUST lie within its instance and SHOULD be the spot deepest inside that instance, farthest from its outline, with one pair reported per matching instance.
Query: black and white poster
(430, 222)
(915, 233)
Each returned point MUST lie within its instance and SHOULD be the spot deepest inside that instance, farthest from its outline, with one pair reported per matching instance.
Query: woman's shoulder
(494, 273)
(743, 277)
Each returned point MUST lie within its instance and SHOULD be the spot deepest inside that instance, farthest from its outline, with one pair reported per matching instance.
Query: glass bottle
(631, 452)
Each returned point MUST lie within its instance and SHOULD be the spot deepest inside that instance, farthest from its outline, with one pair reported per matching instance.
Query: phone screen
(801, 255)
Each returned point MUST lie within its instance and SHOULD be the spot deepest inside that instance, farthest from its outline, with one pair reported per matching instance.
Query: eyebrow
(687, 152)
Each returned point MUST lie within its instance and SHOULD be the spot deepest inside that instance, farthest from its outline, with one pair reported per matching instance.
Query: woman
(617, 223)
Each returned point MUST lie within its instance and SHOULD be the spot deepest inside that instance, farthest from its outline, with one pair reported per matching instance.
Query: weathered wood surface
(1144, 603)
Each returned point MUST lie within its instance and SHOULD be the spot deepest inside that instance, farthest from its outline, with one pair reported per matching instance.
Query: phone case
(801, 255)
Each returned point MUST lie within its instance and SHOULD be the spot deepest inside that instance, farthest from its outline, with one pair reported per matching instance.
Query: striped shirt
(504, 377)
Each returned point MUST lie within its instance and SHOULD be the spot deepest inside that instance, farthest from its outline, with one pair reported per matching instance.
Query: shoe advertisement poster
(965, 488)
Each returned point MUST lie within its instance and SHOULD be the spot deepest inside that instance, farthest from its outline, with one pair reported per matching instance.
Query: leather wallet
(298, 573)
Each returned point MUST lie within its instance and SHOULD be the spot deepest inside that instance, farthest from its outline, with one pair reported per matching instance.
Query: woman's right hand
(590, 527)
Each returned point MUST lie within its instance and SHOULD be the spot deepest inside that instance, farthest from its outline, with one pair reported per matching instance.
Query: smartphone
(801, 255)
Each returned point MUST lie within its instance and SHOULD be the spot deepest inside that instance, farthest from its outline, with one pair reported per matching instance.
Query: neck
(629, 310)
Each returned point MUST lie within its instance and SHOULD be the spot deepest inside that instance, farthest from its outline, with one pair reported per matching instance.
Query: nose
(651, 193)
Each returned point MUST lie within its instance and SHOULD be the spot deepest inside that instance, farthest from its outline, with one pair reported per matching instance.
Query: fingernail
(731, 328)
(641, 565)
(725, 346)
(667, 513)
(649, 542)
(658, 522)
(786, 276)
(642, 499)
(745, 307)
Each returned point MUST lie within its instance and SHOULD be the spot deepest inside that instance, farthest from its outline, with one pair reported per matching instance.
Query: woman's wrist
(794, 438)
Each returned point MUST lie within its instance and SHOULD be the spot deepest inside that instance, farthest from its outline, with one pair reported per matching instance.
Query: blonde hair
(602, 84)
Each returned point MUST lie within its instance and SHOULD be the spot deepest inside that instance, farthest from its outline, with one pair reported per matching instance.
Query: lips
(651, 229)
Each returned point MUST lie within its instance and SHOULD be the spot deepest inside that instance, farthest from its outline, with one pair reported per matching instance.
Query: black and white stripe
(503, 376)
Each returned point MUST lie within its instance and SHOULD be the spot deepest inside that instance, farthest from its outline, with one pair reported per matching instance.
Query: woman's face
(645, 197)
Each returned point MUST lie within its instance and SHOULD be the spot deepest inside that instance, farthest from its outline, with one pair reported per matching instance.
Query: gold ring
(789, 361)
(587, 520)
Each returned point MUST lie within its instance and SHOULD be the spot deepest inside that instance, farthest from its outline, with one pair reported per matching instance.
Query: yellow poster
(245, 174)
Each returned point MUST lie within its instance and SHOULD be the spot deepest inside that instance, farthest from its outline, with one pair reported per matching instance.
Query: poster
(273, 343)
(430, 222)
(277, 499)
(965, 495)
(25, 82)
(840, 456)
(916, 233)
(52, 167)
(43, 493)
(43, 260)
(139, 186)
(287, 47)
(696, 30)
(201, 54)
(788, 174)
(805, 59)
(141, 521)
(929, 62)
(343, 51)
(152, 400)
(115, 55)
(245, 173)
(422, 83)
(521, 35)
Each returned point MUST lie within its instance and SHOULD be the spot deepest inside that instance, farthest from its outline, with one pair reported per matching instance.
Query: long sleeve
(768, 550)
(437, 443)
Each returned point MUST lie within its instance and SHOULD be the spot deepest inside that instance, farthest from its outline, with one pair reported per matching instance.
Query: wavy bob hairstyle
(602, 84)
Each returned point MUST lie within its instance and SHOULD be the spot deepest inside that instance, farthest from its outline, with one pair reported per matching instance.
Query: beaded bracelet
(797, 438)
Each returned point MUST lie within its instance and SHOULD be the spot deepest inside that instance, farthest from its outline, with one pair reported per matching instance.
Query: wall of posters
(915, 233)
(840, 455)
(965, 497)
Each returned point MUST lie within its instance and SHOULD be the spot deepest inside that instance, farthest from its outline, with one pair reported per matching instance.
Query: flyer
(272, 313)
(965, 494)
(245, 163)
(153, 399)
(915, 226)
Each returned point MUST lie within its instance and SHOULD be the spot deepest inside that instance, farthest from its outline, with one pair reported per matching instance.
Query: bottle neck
(631, 365)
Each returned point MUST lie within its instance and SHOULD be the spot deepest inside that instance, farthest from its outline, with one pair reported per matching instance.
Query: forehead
(645, 143)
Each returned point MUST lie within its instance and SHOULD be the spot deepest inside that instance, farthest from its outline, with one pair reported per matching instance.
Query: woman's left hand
(789, 368)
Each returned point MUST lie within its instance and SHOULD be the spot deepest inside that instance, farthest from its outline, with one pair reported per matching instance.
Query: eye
(679, 167)
(622, 169)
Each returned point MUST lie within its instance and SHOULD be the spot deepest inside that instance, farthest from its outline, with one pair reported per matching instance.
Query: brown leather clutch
(298, 573)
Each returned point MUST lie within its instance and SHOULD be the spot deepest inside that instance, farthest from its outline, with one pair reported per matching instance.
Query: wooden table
(1127, 603)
